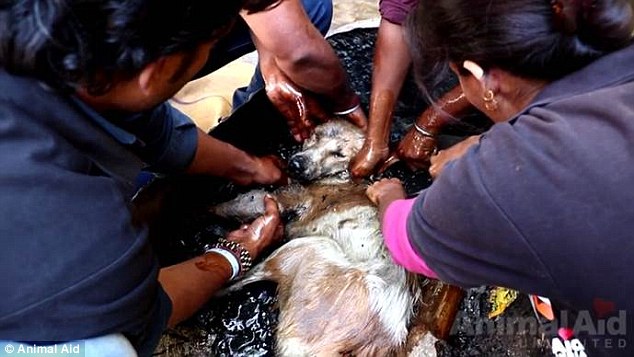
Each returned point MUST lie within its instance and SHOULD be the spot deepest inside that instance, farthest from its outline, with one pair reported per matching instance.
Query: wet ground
(243, 323)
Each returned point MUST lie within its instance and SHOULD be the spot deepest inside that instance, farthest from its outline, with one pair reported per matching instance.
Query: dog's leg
(292, 201)
(244, 208)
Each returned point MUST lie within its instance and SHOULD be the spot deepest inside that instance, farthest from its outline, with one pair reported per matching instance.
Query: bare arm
(217, 158)
(419, 143)
(286, 34)
(190, 284)
(391, 62)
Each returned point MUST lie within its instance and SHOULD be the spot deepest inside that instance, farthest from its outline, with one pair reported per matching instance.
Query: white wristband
(231, 258)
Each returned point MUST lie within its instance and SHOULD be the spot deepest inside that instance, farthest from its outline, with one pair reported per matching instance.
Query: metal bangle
(423, 132)
(348, 111)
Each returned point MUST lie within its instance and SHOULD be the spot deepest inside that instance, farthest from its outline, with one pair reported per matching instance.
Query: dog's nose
(296, 165)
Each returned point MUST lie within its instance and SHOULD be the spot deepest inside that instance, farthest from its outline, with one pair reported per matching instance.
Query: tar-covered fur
(339, 291)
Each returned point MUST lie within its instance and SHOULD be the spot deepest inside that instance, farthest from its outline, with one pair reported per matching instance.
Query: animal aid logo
(565, 333)
(67, 349)
(606, 330)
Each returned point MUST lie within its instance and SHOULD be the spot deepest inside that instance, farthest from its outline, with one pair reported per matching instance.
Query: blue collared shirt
(163, 137)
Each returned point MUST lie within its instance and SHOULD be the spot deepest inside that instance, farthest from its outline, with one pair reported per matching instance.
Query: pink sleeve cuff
(394, 229)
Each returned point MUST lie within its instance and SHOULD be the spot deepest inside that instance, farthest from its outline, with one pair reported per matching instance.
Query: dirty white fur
(339, 291)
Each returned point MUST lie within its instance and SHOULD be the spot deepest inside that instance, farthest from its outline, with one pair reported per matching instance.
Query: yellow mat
(207, 99)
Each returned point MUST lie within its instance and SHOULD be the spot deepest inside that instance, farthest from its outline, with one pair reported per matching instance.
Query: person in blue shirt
(83, 87)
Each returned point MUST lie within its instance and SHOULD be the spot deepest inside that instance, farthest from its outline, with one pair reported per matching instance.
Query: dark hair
(91, 42)
(541, 39)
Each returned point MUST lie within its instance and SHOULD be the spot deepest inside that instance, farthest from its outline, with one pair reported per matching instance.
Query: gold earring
(490, 103)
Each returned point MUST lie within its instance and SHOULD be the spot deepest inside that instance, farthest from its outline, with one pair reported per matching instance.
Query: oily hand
(262, 232)
(269, 170)
(357, 117)
(301, 110)
(370, 156)
(416, 149)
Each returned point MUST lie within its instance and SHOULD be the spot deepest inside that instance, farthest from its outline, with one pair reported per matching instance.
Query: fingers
(270, 207)
(303, 125)
(270, 171)
(297, 120)
(367, 159)
(387, 188)
(265, 226)
(455, 152)
(262, 232)
(372, 193)
(391, 160)
(437, 164)
(316, 111)
(415, 150)
(291, 103)
(359, 119)
(361, 165)
(388, 181)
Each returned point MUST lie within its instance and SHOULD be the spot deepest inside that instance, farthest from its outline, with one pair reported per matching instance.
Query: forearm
(192, 283)
(391, 63)
(217, 158)
(452, 104)
(321, 72)
(301, 52)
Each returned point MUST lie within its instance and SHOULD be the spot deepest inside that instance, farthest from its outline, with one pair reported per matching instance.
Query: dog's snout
(297, 165)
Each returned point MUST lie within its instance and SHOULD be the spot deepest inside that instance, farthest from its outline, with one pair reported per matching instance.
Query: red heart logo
(603, 308)
(566, 333)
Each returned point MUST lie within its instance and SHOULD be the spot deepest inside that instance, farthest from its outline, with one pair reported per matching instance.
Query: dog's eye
(338, 154)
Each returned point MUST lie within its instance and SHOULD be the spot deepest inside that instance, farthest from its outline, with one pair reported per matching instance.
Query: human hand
(301, 110)
(416, 149)
(268, 170)
(262, 232)
(386, 191)
(439, 161)
(371, 154)
(356, 116)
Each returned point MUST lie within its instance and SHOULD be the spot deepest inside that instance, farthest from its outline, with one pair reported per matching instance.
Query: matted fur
(339, 291)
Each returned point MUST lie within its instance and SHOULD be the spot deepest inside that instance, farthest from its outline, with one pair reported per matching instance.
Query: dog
(339, 291)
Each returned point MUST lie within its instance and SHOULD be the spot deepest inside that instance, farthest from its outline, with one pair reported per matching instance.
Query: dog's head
(327, 153)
